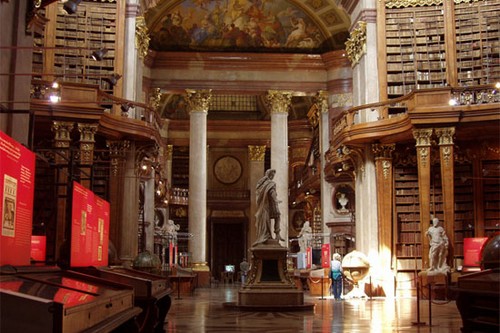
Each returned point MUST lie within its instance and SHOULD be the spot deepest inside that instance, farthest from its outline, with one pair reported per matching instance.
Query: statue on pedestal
(438, 250)
(305, 236)
(169, 230)
(267, 209)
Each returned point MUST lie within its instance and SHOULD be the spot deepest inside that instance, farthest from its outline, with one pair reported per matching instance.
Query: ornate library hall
(284, 166)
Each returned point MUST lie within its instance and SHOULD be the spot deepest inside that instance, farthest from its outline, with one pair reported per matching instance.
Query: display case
(151, 293)
(37, 299)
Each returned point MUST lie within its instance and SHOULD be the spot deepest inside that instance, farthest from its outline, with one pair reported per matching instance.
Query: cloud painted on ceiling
(237, 25)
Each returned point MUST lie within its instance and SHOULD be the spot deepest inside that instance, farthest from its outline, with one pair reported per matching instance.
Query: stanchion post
(430, 303)
(418, 322)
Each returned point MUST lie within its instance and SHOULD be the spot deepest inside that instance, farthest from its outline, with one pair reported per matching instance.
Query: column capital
(62, 131)
(256, 153)
(422, 136)
(321, 100)
(169, 150)
(118, 152)
(87, 142)
(198, 100)
(383, 151)
(279, 100)
(445, 135)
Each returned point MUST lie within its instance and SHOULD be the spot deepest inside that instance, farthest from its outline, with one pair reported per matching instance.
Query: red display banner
(472, 251)
(89, 228)
(38, 248)
(17, 181)
(325, 256)
(308, 257)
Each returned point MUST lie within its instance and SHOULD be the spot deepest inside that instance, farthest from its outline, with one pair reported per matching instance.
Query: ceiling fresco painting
(238, 25)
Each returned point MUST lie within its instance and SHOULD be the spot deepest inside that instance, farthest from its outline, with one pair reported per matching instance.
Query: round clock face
(227, 169)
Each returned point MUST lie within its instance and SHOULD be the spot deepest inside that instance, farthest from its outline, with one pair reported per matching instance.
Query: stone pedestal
(269, 286)
(434, 284)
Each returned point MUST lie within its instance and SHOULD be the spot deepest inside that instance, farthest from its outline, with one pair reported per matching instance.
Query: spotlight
(99, 54)
(70, 6)
(113, 80)
(452, 102)
(125, 107)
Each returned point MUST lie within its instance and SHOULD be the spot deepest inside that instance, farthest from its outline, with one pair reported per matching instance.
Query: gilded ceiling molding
(256, 153)
(356, 44)
(198, 100)
(279, 100)
(411, 3)
(141, 37)
(117, 152)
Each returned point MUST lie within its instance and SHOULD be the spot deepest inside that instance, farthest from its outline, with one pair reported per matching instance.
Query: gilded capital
(62, 130)
(279, 101)
(356, 43)
(383, 151)
(198, 100)
(169, 150)
(321, 99)
(87, 132)
(256, 153)
(445, 135)
(422, 136)
(141, 37)
(118, 152)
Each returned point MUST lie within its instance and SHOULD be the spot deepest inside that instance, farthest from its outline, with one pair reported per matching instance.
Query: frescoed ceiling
(293, 26)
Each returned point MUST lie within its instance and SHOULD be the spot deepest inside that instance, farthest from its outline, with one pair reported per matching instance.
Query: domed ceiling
(294, 26)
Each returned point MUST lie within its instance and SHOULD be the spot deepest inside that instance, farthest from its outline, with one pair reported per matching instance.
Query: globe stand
(356, 292)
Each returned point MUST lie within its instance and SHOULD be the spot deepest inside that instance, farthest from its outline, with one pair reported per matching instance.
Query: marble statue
(267, 209)
(305, 236)
(170, 230)
(438, 250)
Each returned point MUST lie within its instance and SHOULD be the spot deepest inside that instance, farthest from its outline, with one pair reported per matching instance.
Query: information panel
(89, 229)
(17, 181)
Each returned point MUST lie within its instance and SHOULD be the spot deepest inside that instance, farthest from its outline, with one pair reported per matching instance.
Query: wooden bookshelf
(491, 196)
(464, 207)
(478, 43)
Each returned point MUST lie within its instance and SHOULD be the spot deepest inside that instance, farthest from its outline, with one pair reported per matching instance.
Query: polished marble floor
(203, 312)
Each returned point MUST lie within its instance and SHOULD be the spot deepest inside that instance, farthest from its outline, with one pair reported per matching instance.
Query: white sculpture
(343, 200)
(305, 236)
(438, 250)
(170, 230)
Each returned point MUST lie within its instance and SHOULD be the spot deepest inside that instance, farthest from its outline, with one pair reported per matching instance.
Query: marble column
(256, 157)
(62, 142)
(446, 153)
(279, 102)
(324, 144)
(384, 175)
(130, 66)
(423, 146)
(198, 102)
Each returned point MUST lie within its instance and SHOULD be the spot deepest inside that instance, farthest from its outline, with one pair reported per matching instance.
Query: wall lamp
(98, 55)
(113, 80)
(70, 6)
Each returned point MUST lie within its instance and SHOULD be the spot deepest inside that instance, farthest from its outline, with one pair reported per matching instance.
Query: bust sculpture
(343, 200)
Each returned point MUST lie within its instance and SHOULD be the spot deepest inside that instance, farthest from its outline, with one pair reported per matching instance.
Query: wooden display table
(319, 286)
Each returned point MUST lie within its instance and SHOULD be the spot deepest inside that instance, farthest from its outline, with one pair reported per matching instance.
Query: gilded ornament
(411, 3)
(356, 44)
(141, 37)
(386, 168)
(445, 135)
(422, 136)
(198, 100)
(256, 153)
(279, 101)
(446, 153)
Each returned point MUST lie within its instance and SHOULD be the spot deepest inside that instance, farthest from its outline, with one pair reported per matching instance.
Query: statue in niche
(343, 201)
(305, 236)
(267, 209)
(438, 251)
(169, 230)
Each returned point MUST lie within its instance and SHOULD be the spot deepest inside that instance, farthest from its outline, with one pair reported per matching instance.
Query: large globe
(356, 266)
(490, 254)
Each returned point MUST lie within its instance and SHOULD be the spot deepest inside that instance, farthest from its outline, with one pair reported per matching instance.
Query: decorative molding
(445, 135)
(257, 153)
(423, 137)
(411, 3)
(141, 37)
(279, 101)
(155, 98)
(321, 100)
(198, 100)
(356, 44)
(87, 142)
(117, 152)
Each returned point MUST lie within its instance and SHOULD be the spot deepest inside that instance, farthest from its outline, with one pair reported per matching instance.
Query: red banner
(38, 248)
(89, 228)
(308, 257)
(17, 181)
(325, 256)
